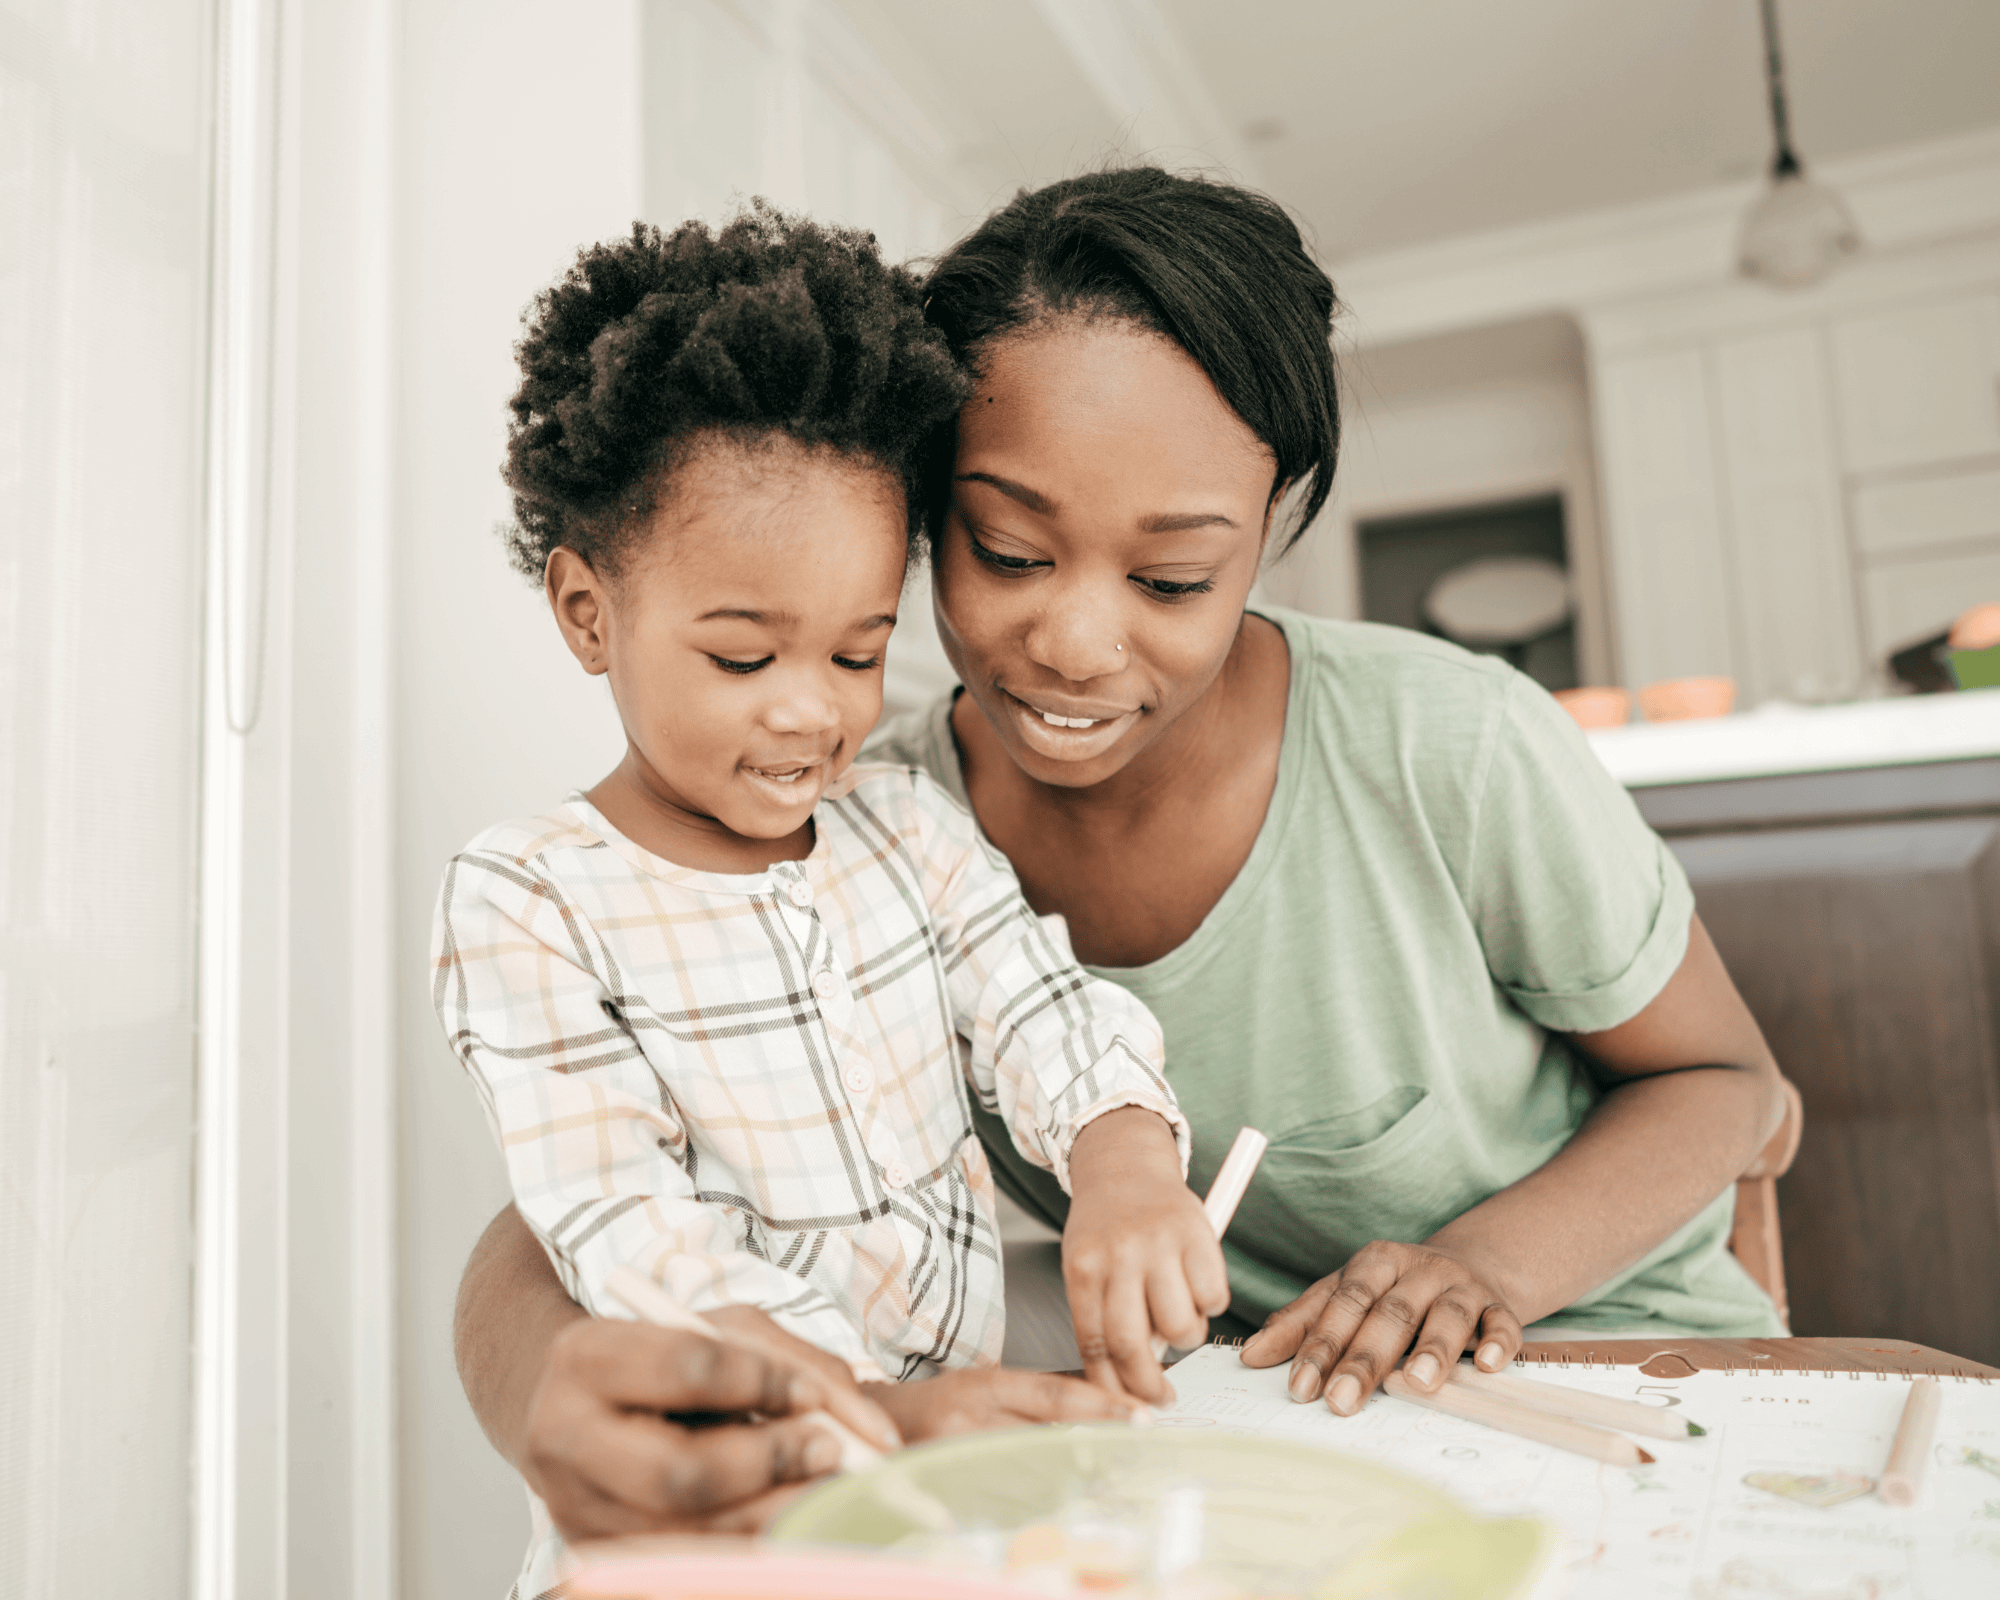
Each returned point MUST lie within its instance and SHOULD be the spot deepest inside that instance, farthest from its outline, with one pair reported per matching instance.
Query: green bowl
(1136, 1506)
(1975, 669)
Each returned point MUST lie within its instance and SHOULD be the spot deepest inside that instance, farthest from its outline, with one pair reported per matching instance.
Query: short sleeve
(1582, 911)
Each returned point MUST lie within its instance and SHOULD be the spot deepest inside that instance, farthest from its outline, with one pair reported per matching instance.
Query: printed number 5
(1667, 1396)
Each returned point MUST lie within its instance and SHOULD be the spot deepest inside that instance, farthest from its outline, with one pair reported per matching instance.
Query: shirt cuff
(1623, 997)
(1117, 1100)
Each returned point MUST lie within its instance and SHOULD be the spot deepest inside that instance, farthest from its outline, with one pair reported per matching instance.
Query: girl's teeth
(1069, 722)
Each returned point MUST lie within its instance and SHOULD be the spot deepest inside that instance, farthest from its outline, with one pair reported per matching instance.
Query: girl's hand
(1348, 1331)
(1138, 1255)
(994, 1397)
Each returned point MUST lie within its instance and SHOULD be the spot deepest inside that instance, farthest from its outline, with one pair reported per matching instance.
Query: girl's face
(1107, 518)
(744, 635)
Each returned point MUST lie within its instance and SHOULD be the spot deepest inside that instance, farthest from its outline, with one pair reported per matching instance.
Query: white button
(896, 1175)
(858, 1079)
(801, 893)
(825, 985)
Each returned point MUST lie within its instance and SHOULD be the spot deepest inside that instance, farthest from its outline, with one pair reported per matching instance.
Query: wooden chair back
(1754, 1240)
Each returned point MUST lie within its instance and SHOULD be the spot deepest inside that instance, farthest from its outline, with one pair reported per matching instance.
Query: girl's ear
(578, 597)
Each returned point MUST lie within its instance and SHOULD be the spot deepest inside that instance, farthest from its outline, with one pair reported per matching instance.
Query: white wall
(521, 141)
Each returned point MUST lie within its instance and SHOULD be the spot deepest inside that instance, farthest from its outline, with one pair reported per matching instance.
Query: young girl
(728, 1010)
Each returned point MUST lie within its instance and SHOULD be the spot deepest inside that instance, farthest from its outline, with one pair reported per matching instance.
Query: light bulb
(1795, 231)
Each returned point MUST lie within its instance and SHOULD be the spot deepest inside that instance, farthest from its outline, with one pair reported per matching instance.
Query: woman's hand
(604, 1452)
(995, 1397)
(1348, 1331)
(1138, 1255)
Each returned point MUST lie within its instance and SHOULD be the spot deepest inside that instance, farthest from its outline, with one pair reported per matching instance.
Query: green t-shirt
(1445, 874)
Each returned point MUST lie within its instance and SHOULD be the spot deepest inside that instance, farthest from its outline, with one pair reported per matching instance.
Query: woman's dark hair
(1217, 269)
(774, 326)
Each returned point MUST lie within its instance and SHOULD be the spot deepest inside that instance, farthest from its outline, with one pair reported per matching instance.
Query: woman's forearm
(1651, 1155)
(511, 1307)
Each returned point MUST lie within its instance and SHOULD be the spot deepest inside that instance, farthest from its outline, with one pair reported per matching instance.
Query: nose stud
(1118, 647)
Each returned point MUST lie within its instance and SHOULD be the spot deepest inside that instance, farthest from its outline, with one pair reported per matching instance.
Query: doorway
(1402, 558)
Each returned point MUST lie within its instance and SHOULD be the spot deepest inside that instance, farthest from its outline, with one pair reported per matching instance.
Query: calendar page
(1727, 1516)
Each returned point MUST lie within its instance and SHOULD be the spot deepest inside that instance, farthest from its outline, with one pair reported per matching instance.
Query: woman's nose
(1077, 634)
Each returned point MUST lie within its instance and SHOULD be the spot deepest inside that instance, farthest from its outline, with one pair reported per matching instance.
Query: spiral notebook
(1693, 1526)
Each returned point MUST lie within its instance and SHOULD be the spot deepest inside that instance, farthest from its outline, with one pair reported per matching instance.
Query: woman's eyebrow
(1158, 522)
(1040, 504)
(1181, 521)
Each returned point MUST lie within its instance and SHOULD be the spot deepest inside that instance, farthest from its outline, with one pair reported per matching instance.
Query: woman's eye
(993, 558)
(857, 666)
(740, 668)
(1168, 589)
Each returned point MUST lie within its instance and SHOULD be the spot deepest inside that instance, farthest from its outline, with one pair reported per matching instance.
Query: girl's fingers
(1285, 1329)
(1171, 1308)
(1117, 1343)
(1207, 1277)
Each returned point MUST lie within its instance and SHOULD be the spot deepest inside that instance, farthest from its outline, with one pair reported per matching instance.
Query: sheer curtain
(103, 260)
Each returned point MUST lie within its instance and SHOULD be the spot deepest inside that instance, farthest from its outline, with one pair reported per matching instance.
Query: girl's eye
(858, 666)
(993, 558)
(1167, 589)
(740, 668)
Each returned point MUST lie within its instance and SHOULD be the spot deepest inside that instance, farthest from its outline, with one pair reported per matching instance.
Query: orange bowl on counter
(1678, 699)
(1596, 708)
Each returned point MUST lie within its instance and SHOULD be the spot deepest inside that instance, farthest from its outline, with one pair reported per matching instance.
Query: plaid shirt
(754, 1088)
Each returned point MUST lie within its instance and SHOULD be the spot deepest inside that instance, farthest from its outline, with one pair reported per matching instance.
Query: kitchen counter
(1906, 730)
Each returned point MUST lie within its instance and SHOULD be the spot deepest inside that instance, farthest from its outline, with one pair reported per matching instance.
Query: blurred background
(263, 666)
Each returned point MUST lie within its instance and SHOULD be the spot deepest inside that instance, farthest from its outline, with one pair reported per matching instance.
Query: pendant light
(1798, 228)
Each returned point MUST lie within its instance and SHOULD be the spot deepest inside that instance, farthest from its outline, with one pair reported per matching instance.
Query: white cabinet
(1910, 514)
(1914, 599)
(1670, 578)
(1919, 383)
(1787, 541)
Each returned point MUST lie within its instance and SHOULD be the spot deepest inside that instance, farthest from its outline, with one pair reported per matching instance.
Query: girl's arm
(1693, 1096)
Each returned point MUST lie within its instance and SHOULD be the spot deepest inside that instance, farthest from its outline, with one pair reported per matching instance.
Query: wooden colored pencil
(647, 1301)
(1226, 1193)
(1633, 1416)
(1509, 1416)
(1908, 1456)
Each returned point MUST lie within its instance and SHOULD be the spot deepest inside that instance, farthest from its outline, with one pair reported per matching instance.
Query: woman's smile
(1069, 730)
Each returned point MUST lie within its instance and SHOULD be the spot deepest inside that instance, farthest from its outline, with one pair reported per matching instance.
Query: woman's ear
(578, 596)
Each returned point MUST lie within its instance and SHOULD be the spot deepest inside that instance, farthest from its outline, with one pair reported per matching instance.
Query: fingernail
(803, 1394)
(1489, 1355)
(1142, 1416)
(1423, 1371)
(1303, 1384)
(822, 1453)
(1345, 1395)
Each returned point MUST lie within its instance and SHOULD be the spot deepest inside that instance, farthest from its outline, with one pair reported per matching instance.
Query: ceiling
(1391, 123)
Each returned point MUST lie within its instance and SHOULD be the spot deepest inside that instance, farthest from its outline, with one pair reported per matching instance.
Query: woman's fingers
(1367, 1284)
(835, 1390)
(1448, 1331)
(1500, 1338)
(1285, 1329)
(633, 1365)
(648, 1475)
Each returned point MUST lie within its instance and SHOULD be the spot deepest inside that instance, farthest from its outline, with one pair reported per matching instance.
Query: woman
(1387, 906)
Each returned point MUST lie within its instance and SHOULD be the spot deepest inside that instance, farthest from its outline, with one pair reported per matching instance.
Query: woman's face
(1107, 518)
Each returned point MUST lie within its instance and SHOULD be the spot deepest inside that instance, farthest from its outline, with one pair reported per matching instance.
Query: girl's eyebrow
(1158, 522)
(786, 619)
